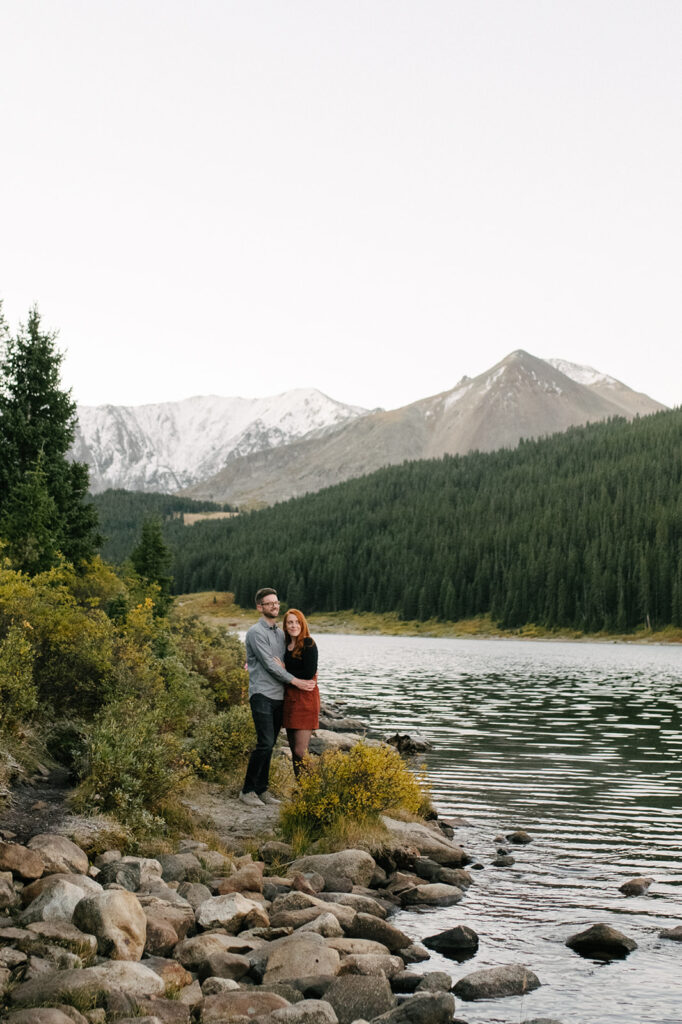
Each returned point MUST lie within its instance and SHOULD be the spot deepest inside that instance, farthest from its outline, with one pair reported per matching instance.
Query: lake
(579, 744)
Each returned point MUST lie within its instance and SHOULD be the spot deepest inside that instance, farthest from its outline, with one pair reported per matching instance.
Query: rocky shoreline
(205, 937)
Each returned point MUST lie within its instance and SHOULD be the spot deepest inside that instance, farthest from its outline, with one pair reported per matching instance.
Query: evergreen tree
(37, 427)
(152, 560)
(27, 523)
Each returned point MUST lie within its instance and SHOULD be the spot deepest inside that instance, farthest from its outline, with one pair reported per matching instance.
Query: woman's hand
(304, 684)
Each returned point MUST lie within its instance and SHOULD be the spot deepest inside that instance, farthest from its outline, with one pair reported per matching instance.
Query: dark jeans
(267, 718)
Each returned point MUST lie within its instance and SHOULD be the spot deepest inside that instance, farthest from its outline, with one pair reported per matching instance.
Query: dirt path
(231, 820)
(38, 806)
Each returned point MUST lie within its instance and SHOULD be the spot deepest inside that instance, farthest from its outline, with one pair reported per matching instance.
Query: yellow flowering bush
(357, 785)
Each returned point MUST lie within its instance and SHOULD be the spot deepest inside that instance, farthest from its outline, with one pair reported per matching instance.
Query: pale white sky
(371, 197)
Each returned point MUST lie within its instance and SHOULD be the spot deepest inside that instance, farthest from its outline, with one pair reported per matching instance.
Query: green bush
(223, 742)
(357, 786)
(18, 696)
(131, 763)
(217, 656)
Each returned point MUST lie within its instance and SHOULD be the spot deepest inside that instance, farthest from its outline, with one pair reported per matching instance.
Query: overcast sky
(373, 198)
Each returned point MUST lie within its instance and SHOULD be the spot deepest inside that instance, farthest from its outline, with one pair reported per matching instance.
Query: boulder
(232, 912)
(193, 951)
(357, 865)
(274, 852)
(435, 981)
(62, 933)
(601, 942)
(161, 938)
(148, 869)
(353, 996)
(430, 842)
(298, 956)
(247, 1003)
(180, 867)
(366, 926)
(23, 863)
(45, 1015)
(672, 933)
(214, 986)
(326, 925)
(224, 965)
(372, 965)
(346, 946)
(432, 894)
(117, 976)
(55, 903)
(9, 897)
(178, 915)
(308, 1011)
(519, 838)
(323, 740)
(246, 879)
(497, 983)
(117, 920)
(503, 861)
(456, 943)
(127, 875)
(636, 886)
(362, 904)
(172, 973)
(85, 884)
(11, 958)
(195, 893)
(106, 858)
(422, 1008)
(59, 854)
(297, 901)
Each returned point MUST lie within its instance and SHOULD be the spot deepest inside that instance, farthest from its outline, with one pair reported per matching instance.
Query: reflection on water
(580, 744)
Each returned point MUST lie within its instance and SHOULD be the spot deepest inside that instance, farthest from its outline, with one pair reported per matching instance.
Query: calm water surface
(580, 744)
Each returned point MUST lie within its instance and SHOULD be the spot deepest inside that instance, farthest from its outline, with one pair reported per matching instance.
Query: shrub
(223, 743)
(217, 656)
(131, 763)
(358, 785)
(18, 697)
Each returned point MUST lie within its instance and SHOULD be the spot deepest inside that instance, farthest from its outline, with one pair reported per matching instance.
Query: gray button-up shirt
(264, 643)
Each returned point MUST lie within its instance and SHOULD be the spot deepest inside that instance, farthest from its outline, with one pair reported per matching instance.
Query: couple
(282, 691)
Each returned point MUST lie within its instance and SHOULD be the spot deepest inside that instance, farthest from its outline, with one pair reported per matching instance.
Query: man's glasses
(268, 604)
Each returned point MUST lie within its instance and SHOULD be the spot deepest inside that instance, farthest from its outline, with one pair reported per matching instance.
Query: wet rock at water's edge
(601, 942)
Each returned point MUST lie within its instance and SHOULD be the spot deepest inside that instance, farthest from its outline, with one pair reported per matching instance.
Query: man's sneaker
(250, 799)
(268, 798)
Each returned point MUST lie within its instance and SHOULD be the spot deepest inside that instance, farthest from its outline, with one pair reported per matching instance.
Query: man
(265, 645)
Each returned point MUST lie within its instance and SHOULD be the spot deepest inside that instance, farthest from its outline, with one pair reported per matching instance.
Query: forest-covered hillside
(581, 529)
(122, 513)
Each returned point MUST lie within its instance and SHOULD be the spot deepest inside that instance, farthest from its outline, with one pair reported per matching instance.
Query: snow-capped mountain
(172, 445)
(520, 397)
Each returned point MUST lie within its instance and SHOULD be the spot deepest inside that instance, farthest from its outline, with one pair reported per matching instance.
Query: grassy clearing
(219, 608)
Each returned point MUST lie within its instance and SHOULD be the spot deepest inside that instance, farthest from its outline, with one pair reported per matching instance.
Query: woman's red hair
(305, 632)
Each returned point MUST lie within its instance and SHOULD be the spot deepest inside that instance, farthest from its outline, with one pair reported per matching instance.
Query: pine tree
(37, 427)
(152, 560)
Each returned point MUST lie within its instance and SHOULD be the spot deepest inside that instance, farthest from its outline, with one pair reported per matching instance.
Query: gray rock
(372, 965)
(435, 981)
(118, 922)
(224, 965)
(299, 955)
(62, 933)
(405, 982)
(180, 867)
(195, 893)
(9, 897)
(233, 912)
(519, 838)
(247, 1003)
(326, 925)
(43, 1015)
(422, 1008)
(148, 867)
(601, 942)
(116, 872)
(118, 976)
(59, 854)
(107, 857)
(430, 842)
(274, 852)
(636, 886)
(503, 862)
(56, 903)
(191, 952)
(354, 996)
(22, 862)
(497, 983)
(307, 1011)
(432, 894)
(357, 865)
(213, 985)
(366, 926)
(672, 933)
(359, 903)
(32, 891)
(456, 943)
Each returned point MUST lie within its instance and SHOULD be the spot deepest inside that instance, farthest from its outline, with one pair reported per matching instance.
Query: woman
(301, 707)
